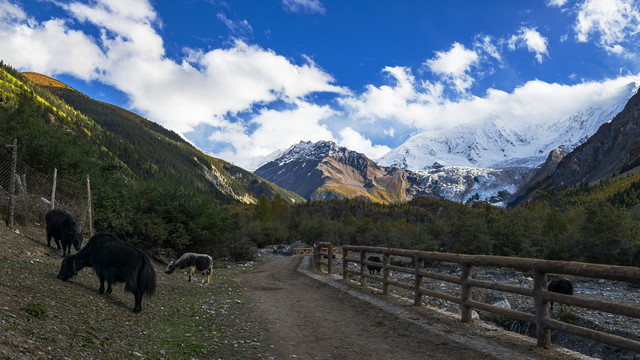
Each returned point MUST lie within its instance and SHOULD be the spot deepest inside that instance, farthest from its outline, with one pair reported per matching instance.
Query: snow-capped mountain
(497, 142)
(486, 161)
(324, 170)
(489, 160)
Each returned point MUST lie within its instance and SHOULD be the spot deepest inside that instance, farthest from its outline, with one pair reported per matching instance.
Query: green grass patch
(37, 310)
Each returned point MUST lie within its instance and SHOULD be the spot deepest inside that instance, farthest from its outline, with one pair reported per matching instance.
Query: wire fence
(33, 194)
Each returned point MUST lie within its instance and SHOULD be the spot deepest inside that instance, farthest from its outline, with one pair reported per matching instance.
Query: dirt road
(306, 316)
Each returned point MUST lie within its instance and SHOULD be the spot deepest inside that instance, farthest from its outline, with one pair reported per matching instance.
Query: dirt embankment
(322, 318)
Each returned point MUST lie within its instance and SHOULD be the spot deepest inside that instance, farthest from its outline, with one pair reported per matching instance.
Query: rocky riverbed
(612, 291)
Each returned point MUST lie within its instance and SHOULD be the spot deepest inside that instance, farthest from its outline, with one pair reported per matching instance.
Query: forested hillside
(596, 231)
(149, 186)
(149, 150)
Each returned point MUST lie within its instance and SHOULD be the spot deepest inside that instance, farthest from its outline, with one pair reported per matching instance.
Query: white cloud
(304, 6)
(485, 43)
(454, 65)
(353, 140)
(401, 101)
(556, 3)
(48, 47)
(201, 88)
(614, 21)
(239, 28)
(274, 130)
(532, 40)
(10, 12)
(413, 104)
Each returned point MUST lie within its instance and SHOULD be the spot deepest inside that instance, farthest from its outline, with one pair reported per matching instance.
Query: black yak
(192, 262)
(374, 269)
(560, 286)
(114, 260)
(64, 229)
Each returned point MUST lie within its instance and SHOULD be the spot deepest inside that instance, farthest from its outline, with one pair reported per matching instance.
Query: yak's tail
(144, 278)
(147, 277)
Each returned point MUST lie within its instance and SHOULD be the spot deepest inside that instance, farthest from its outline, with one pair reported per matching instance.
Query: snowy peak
(310, 151)
(500, 141)
(324, 170)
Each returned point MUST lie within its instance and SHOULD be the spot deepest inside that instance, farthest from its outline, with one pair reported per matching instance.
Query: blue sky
(241, 79)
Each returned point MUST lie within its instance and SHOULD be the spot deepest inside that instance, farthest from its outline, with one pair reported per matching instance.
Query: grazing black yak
(560, 286)
(64, 229)
(374, 269)
(114, 260)
(192, 262)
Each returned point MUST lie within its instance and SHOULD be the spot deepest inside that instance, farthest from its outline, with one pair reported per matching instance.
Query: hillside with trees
(149, 186)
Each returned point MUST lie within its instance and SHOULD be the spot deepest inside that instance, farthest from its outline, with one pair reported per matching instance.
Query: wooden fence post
(53, 188)
(345, 264)
(542, 310)
(315, 256)
(417, 292)
(330, 258)
(386, 260)
(467, 271)
(90, 206)
(363, 257)
(12, 183)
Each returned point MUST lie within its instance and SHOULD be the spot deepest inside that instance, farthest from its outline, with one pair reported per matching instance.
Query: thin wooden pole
(542, 310)
(330, 258)
(345, 264)
(12, 183)
(90, 206)
(363, 257)
(417, 290)
(53, 189)
(386, 260)
(467, 271)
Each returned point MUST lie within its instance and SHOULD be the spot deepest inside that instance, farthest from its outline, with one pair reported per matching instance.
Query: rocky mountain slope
(489, 160)
(613, 150)
(324, 170)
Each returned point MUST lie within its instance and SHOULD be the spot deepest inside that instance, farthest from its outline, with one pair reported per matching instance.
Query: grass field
(42, 317)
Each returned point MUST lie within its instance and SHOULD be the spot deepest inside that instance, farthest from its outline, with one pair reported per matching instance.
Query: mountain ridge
(324, 170)
(126, 134)
(612, 151)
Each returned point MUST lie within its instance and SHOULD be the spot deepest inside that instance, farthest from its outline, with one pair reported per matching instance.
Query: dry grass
(42, 317)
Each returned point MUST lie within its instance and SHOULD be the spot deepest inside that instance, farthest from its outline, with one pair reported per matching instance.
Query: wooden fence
(540, 268)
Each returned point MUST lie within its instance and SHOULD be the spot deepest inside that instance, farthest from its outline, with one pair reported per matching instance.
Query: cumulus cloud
(614, 22)
(353, 140)
(454, 65)
(200, 88)
(413, 103)
(532, 40)
(401, 101)
(302, 123)
(10, 11)
(304, 6)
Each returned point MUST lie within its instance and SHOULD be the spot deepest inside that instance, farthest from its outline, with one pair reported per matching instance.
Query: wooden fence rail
(539, 268)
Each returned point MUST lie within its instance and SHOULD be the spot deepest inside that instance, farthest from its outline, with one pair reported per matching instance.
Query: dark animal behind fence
(560, 286)
(374, 269)
(114, 260)
(64, 229)
(191, 263)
